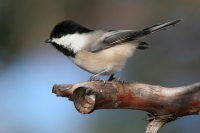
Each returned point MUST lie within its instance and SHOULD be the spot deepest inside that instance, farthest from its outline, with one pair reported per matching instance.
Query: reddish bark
(157, 100)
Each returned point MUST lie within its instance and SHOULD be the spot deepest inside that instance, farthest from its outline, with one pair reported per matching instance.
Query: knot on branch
(84, 99)
(161, 118)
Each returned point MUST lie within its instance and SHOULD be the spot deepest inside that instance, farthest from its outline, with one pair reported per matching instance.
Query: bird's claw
(97, 79)
(116, 79)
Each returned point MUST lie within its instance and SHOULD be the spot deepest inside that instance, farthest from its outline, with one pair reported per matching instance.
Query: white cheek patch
(73, 41)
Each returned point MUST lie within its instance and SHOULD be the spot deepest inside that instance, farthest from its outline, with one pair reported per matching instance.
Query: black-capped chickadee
(97, 51)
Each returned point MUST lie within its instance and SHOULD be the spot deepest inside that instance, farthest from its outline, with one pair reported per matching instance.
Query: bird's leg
(93, 78)
(111, 77)
(115, 79)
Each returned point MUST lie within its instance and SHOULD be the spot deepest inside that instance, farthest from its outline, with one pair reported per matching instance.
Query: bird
(100, 52)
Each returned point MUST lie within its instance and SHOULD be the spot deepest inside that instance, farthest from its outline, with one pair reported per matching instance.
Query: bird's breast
(112, 59)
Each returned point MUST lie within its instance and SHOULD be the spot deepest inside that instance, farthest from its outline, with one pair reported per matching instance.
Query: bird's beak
(48, 41)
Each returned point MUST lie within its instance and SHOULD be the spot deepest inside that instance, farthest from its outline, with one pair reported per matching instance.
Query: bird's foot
(115, 79)
(93, 78)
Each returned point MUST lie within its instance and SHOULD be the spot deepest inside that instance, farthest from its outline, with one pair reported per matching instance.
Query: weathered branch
(164, 104)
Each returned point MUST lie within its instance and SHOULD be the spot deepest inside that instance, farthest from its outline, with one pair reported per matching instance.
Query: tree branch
(164, 104)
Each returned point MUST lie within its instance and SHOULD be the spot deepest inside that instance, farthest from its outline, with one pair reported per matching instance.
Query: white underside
(106, 62)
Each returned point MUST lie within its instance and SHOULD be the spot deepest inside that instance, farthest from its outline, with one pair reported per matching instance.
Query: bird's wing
(113, 38)
(118, 36)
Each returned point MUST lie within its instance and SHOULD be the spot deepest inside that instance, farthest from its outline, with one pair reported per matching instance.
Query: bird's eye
(60, 35)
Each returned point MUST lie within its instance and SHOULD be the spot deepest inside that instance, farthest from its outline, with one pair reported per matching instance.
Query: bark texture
(163, 104)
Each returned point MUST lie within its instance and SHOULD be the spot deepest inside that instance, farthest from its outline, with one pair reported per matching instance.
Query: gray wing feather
(119, 36)
(113, 38)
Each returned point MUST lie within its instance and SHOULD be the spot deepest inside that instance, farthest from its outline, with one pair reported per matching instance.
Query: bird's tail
(157, 27)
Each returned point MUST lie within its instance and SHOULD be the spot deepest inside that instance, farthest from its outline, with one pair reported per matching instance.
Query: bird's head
(65, 34)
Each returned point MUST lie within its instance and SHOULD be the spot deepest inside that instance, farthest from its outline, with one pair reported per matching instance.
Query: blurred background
(29, 67)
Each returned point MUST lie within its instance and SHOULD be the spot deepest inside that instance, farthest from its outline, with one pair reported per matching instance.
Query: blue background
(29, 68)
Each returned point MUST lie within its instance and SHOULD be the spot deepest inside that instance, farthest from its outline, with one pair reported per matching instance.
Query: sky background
(29, 67)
